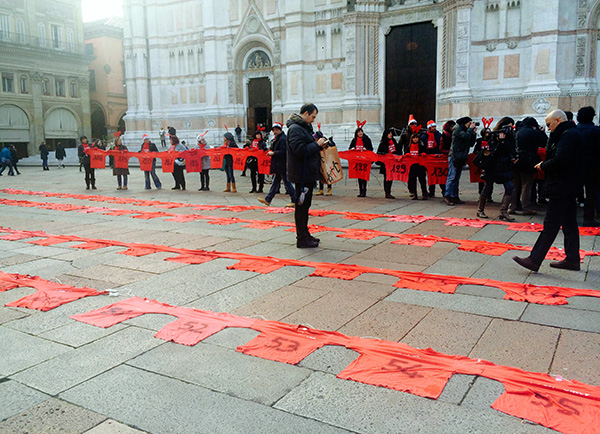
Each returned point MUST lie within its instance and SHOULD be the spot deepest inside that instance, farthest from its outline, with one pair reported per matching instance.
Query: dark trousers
(560, 212)
(362, 186)
(261, 179)
(90, 175)
(592, 183)
(179, 176)
(204, 179)
(277, 178)
(301, 211)
(417, 172)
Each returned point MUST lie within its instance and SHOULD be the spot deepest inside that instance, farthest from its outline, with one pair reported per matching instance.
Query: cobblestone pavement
(58, 375)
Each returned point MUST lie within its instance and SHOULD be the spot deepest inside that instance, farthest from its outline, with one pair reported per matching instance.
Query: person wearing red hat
(256, 144)
(417, 171)
(433, 141)
(148, 146)
(406, 133)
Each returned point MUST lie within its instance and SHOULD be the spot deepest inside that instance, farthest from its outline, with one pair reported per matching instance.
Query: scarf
(146, 147)
(359, 144)
(431, 140)
(414, 148)
(391, 146)
(255, 143)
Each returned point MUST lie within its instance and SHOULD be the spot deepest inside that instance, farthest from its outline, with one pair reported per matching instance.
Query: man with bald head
(563, 171)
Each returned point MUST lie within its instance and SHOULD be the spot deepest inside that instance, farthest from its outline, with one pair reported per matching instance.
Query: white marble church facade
(189, 63)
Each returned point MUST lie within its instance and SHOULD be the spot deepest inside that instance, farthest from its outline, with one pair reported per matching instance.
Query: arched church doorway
(259, 104)
(410, 74)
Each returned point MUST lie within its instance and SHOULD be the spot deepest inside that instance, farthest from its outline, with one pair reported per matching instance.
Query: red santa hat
(431, 124)
(277, 125)
(411, 119)
(145, 137)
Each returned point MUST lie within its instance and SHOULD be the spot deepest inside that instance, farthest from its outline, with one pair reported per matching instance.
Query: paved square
(60, 375)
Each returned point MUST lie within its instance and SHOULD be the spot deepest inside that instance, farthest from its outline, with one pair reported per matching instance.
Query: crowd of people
(511, 154)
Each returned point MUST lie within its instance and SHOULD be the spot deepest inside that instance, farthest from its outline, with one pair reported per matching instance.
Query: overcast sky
(97, 9)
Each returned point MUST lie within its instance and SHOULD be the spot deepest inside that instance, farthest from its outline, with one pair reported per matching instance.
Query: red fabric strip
(565, 405)
(47, 296)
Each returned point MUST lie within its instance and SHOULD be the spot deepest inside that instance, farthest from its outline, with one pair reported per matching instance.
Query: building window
(46, 86)
(4, 27)
(92, 80)
(73, 89)
(23, 82)
(56, 36)
(89, 49)
(8, 82)
(60, 88)
(20, 31)
(70, 40)
(42, 34)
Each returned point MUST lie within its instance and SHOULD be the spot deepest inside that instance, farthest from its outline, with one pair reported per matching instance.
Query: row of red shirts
(359, 162)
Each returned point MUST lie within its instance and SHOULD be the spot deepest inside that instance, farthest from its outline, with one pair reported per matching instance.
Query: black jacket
(366, 143)
(302, 151)
(44, 152)
(503, 152)
(60, 153)
(437, 137)
(591, 145)
(528, 141)
(278, 159)
(462, 139)
(384, 148)
(152, 147)
(565, 162)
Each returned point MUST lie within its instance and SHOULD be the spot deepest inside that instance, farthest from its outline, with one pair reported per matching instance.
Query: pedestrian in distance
(14, 158)
(44, 155)
(564, 170)
(6, 161)
(60, 154)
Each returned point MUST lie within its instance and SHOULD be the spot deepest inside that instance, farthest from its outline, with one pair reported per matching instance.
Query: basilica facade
(215, 64)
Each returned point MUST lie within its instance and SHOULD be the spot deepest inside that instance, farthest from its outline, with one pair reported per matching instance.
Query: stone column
(363, 96)
(456, 53)
(36, 127)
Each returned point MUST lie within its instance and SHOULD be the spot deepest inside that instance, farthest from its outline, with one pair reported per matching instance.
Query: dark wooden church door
(410, 74)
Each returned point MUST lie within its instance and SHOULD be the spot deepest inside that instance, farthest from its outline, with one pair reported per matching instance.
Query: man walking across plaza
(278, 169)
(563, 171)
(303, 168)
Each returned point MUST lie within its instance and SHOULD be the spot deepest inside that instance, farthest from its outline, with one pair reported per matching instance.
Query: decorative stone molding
(541, 105)
(258, 60)
(512, 44)
(580, 51)
(36, 76)
(491, 46)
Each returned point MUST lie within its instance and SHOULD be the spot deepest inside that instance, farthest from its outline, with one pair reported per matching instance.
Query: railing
(44, 44)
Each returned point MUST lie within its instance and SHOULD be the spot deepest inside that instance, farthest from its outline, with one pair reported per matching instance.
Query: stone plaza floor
(58, 375)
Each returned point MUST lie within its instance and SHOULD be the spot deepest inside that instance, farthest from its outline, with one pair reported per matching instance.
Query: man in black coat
(563, 170)
(528, 139)
(463, 137)
(303, 168)
(278, 156)
(591, 149)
